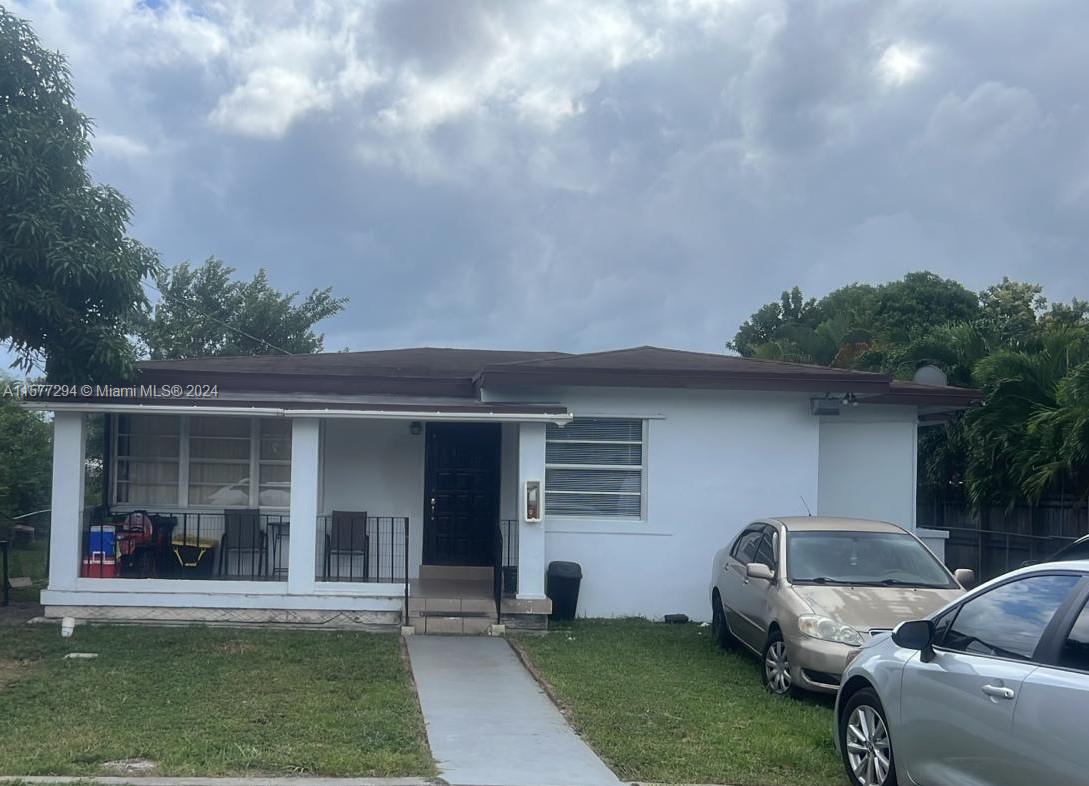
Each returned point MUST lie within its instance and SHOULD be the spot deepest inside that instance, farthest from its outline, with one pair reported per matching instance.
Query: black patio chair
(242, 535)
(347, 537)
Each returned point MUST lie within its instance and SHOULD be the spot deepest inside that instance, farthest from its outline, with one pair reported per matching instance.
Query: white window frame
(184, 452)
(641, 467)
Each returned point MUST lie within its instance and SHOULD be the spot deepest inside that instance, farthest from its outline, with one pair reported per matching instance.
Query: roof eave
(808, 382)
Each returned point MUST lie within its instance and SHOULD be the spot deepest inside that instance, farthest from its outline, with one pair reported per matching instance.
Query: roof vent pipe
(930, 375)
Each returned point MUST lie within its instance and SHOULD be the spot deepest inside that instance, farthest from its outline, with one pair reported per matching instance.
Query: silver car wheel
(869, 751)
(777, 667)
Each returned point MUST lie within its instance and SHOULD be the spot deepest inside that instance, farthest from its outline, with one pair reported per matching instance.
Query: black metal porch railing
(357, 547)
(505, 563)
(240, 544)
(508, 529)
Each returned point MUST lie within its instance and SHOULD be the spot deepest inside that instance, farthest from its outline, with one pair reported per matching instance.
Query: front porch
(342, 520)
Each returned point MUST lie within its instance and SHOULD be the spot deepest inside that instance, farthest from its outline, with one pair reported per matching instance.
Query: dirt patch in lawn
(12, 670)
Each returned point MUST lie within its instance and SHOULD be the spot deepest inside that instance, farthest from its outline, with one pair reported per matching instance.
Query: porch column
(305, 462)
(66, 518)
(531, 537)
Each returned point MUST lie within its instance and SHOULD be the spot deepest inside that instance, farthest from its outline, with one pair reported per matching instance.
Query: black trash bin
(562, 586)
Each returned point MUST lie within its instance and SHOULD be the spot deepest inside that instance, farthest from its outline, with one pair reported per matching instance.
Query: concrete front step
(456, 572)
(452, 626)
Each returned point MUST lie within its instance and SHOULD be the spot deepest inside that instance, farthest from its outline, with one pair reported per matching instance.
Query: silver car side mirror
(916, 635)
(966, 577)
(758, 570)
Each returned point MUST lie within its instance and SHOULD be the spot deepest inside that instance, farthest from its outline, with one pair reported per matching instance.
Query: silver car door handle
(998, 692)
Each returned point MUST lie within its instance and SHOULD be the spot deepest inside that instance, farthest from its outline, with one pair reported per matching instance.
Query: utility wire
(217, 321)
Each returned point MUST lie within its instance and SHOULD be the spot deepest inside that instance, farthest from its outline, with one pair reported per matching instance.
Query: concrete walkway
(272, 780)
(490, 724)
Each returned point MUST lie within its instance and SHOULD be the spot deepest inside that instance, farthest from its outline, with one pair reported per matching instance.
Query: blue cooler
(103, 540)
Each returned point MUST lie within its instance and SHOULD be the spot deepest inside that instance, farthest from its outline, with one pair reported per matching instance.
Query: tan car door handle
(998, 692)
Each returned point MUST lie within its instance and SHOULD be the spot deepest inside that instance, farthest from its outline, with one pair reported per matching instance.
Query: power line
(239, 331)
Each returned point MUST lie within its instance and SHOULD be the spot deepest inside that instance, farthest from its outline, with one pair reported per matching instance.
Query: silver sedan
(992, 690)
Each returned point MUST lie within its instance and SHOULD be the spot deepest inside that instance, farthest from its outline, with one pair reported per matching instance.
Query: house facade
(433, 487)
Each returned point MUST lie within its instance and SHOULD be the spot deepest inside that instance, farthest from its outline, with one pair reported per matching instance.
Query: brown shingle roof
(648, 366)
(460, 373)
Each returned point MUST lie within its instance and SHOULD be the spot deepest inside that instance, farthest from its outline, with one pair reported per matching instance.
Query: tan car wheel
(776, 673)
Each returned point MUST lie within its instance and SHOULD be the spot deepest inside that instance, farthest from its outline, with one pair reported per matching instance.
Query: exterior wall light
(415, 428)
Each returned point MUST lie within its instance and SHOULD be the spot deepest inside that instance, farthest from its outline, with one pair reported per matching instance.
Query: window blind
(594, 467)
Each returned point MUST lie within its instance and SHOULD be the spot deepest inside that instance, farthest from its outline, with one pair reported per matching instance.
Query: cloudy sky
(584, 175)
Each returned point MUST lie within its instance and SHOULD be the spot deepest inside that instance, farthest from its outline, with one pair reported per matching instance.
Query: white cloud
(654, 170)
(119, 145)
(900, 64)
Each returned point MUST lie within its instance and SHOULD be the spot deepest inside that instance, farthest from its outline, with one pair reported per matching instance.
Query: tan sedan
(803, 592)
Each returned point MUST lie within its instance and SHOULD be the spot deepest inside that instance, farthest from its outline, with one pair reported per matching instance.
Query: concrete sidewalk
(257, 781)
(490, 724)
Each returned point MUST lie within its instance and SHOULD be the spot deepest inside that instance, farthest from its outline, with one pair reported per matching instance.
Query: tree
(919, 302)
(25, 457)
(1030, 435)
(70, 276)
(1032, 361)
(203, 311)
(854, 326)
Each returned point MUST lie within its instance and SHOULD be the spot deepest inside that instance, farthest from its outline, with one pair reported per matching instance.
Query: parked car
(1078, 550)
(992, 690)
(804, 592)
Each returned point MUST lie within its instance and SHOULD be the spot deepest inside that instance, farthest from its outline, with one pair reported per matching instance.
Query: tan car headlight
(827, 629)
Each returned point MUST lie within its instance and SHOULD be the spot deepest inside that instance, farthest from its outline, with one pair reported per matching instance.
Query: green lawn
(661, 703)
(208, 701)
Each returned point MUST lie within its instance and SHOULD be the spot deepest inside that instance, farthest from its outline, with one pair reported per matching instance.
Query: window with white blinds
(594, 467)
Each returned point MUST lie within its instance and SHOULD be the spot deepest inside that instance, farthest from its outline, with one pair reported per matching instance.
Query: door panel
(950, 730)
(1050, 717)
(1049, 728)
(957, 712)
(735, 586)
(755, 597)
(461, 504)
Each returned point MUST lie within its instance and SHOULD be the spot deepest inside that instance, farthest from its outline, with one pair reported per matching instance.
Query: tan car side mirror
(966, 577)
(758, 570)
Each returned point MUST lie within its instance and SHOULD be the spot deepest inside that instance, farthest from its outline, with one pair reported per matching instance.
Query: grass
(208, 701)
(660, 703)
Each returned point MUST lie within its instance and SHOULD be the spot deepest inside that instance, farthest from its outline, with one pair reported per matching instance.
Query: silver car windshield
(870, 558)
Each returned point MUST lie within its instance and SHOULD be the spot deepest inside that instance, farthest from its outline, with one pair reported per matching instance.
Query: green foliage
(855, 326)
(25, 457)
(70, 277)
(1031, 438)
(203, 311)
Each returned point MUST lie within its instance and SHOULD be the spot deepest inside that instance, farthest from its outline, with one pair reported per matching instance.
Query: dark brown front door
(461, 493)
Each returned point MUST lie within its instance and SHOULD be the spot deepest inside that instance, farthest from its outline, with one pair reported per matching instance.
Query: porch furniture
(243, 536)
(194, 557)
(279, 536)
(144, 544)
(347, 537)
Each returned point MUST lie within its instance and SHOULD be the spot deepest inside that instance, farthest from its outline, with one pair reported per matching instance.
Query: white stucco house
(435, 486)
